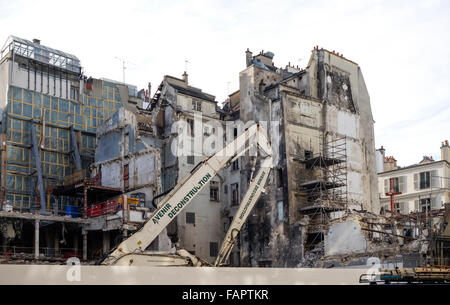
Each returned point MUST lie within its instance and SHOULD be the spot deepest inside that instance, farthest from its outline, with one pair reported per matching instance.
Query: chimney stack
(445, 151)
(390, 163)
(248, 57)
(36, 41)
(185, 78)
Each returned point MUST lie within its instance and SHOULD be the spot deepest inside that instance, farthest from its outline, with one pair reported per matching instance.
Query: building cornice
(387, 173)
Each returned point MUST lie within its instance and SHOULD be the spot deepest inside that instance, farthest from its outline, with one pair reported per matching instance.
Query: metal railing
(18, 252)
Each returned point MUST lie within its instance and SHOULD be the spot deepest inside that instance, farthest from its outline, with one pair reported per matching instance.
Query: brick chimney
(36, 41)
(445, 151)
(390, 163)
(185, 78)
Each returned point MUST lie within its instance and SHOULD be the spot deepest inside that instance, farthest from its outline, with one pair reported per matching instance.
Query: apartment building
(186, 122)
(420, 187)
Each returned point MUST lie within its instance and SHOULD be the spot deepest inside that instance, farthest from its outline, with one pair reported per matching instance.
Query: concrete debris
(312, 257)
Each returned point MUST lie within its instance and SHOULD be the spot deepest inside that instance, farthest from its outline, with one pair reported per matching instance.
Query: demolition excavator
(132, 250)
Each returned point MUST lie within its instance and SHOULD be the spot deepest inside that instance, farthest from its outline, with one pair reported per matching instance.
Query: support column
(106, 242)
(3, 170)
(56, 243)
(36, 239)
(55, 207)
(84, 232)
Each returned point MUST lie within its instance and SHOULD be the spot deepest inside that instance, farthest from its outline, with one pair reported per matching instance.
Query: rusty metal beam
(382, 232)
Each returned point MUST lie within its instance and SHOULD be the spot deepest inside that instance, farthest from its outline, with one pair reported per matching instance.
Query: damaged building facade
(50, 115)
(84, 164)
(324, 160)
(127, 158)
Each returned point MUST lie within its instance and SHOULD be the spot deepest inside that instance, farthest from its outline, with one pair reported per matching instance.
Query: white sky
(403, 48)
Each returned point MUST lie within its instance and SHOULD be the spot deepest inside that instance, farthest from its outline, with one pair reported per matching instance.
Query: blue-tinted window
(46, 100)
(18, 182)
(37, 113)
(27, 96)
(63, 106)
(37, 99)
(17, 108)
(54, 103)
(17, 94)
(63, 117)
(9, 181)
(27, 110)
(280, 211)
(26, 202)
(63, 134)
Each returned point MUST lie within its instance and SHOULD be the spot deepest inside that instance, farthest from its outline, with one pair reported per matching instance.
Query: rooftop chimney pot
(185, 77)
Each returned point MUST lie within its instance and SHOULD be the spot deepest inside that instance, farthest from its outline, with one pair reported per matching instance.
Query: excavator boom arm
(185, 191)
(256, 187)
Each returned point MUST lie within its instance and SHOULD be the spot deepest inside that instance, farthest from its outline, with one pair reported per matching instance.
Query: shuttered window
(402, 184)
(416, 205)
(435, 203)
(435, 180)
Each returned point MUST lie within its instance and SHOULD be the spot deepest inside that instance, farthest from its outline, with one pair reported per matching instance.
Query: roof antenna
(123, 66)
(186, 62)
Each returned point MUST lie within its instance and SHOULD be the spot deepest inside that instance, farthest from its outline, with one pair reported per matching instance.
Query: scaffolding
(329, 190)
(45, 55)
(326, 191)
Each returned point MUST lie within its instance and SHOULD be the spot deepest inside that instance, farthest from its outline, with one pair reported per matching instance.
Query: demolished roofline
(339, 56)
